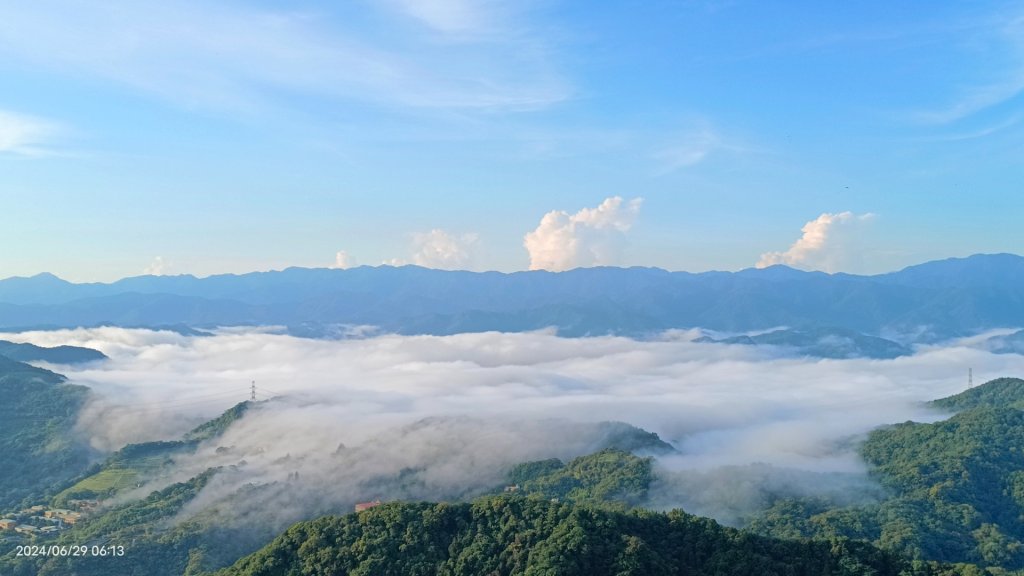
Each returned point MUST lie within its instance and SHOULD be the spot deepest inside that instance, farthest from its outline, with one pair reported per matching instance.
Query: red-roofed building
(366, 505)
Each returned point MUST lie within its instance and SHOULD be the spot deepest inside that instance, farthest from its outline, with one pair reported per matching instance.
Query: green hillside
(37, 414)
(136, 463)
(821, 342)
(1001, 392)
(220, 424)
(159, 545)
(123, 470)
(608, 478)
(24, 352)
(956, 497)
(957, 486)
(509, 535)
(144, 528)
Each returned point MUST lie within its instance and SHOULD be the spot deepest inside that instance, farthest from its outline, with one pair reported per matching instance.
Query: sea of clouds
(445, 417)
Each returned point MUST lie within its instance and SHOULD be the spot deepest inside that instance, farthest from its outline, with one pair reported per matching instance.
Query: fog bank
(429, 417)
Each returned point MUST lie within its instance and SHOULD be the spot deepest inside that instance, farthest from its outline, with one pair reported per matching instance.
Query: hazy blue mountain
(132, 309)
(1007, 344)
(40, 289)
(990, 270)
(822, 343)
(56, 355)
(928, 302)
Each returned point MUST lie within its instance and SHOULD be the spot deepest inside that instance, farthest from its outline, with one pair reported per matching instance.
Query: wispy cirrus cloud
(26, 135)
(231, 56)
(976, 99)
(1002, 58)
(694, 146)
(690, 150)
(456, 17)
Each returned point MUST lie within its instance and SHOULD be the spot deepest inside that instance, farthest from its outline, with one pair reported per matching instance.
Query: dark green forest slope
(25, 352)
(156, 544)
(511, 535)
(610, 478)
(998, 393)
(957, 486)
(38, 411)
(136, 463)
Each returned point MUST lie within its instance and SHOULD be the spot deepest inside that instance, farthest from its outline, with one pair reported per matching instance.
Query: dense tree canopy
(511, 535)
(957, 486)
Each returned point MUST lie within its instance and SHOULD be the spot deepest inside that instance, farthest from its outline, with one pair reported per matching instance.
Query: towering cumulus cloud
(829, 243)
(590, 237)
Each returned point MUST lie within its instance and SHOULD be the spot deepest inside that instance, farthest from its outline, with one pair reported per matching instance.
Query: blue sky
(206, 137)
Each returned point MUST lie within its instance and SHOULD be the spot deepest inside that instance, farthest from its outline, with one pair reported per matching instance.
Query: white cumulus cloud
(590, 237)
(158, 267)
(344, 260)
(441, 249)
(830, 242)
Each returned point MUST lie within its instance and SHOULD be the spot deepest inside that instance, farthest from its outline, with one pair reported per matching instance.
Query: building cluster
(62, 515)
(41, 520)
(84, 506)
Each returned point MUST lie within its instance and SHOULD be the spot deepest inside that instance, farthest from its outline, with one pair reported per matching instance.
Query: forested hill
(509, 535)
(37, 414)
(957, 486)
(135, 463)
(25, 352)
(821, 343)
(1001, 392)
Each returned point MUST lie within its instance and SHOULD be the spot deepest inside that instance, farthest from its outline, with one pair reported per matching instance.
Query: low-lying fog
(425, 417)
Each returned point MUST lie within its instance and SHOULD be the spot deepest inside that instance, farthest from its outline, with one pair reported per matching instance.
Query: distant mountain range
(1007, 344)
(924, 303)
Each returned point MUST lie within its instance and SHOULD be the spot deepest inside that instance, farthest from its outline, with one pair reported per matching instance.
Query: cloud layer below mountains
(448, 415)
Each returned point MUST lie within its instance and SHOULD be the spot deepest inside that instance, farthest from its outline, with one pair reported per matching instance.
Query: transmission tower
(253, 396)
(970, 377)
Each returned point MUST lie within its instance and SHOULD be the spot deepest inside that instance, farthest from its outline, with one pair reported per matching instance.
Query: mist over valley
(246, 430)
